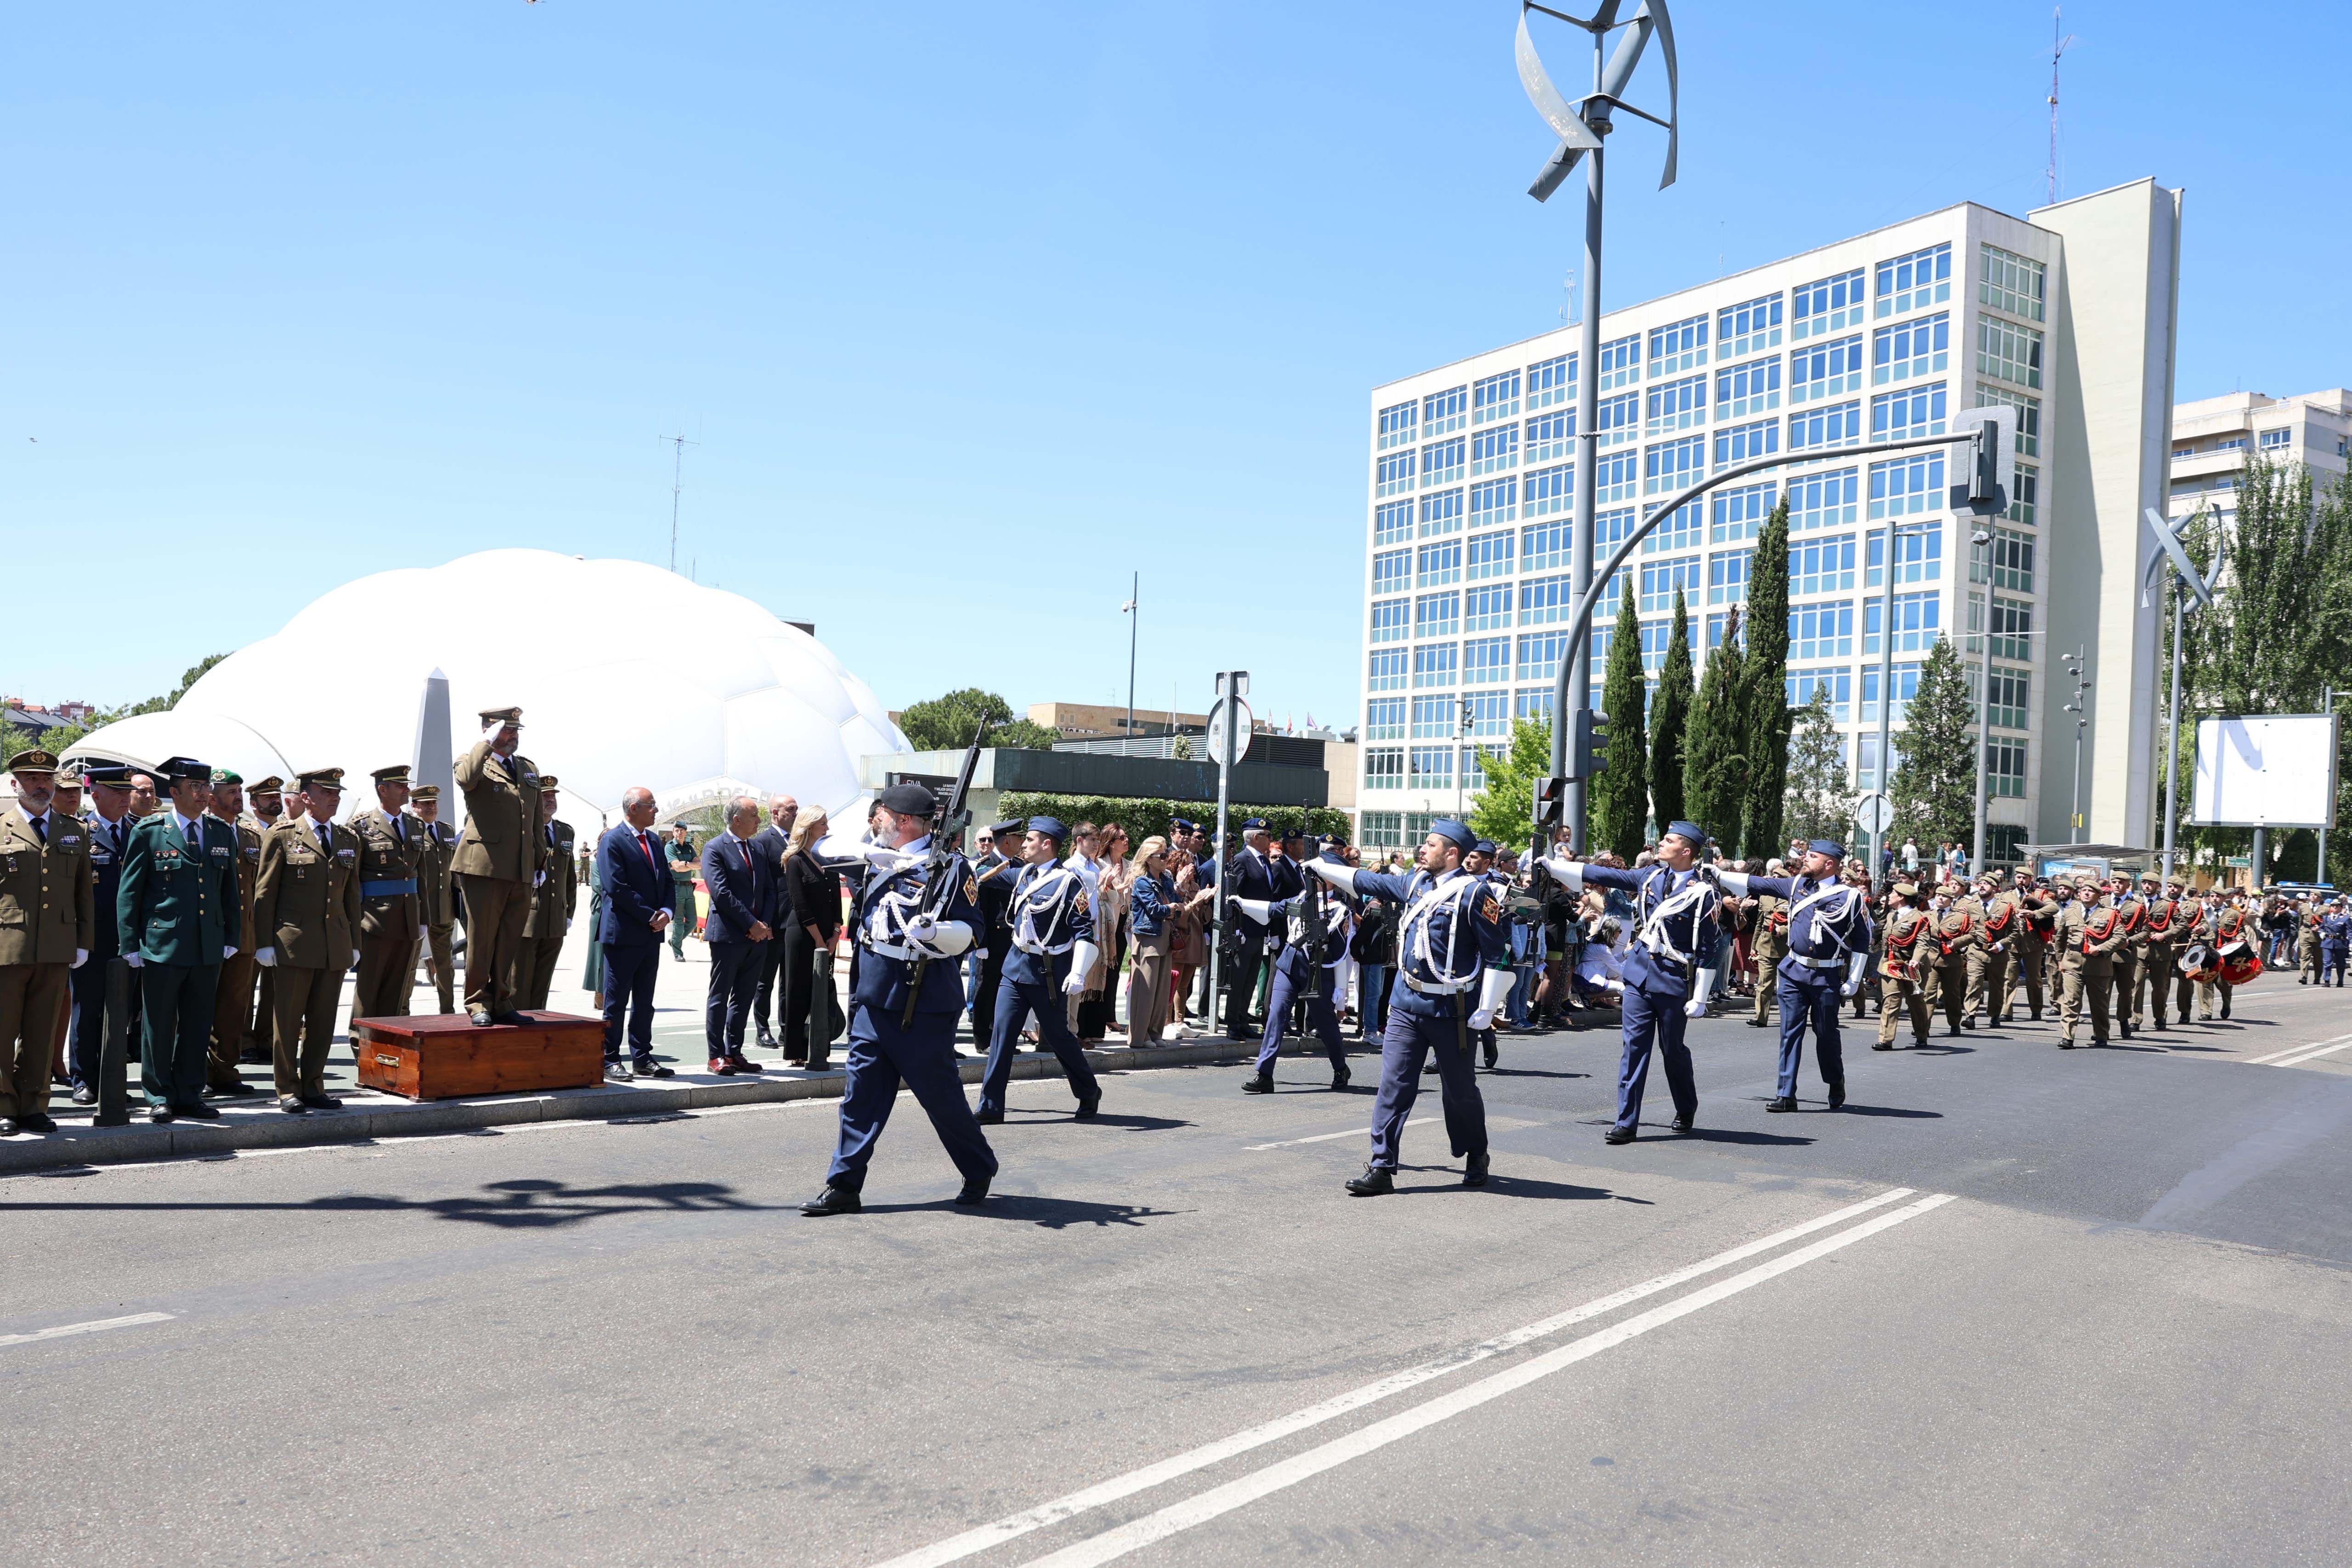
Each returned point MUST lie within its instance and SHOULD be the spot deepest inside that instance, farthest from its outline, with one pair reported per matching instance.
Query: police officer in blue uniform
(1828, 947)
(1669, 969)
(1453, 958)
(1053, 949)
(1315, 910)
(907, 942)
(2335, 941)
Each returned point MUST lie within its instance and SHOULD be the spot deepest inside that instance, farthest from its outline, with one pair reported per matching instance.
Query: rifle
(948, 817)
(1309, 932)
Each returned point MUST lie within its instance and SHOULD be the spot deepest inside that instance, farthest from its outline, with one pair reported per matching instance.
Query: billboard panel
(2275, 770)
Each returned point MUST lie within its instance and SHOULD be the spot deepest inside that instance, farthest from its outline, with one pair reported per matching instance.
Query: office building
(2064, 315)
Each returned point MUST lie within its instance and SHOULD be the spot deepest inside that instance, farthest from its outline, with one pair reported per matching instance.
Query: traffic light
(1985, 495)
(1551, 803)
(1587, 743)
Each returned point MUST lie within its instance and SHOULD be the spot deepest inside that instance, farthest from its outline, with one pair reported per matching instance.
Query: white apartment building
(2065, 316)
(2211, 437)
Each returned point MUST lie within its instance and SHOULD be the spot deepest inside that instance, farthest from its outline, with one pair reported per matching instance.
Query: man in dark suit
(102, 989)
(1250, 875)
(770, 845)
(742, 888)
(639, 904)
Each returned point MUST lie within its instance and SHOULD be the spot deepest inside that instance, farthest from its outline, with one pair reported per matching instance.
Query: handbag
(825, 1020)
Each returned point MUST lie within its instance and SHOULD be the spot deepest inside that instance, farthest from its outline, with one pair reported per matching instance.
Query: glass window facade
(1440, 513)
(1551, 383)
(1726, 576)
(1906, 485)
(1823, 499)
(2006, 352)
(1493, 501)
(1910, 348)
(1391, 619)
(1753, 387)
(1548, 436)
(1826, 304)
(1821, 370)
(1919, 555)
(1437, 616)
(1550, 490)
(1488, 556)
(1543, 546)
(1914, 282)
(1739, 512)
(1436, 563)
(1433, 666)
(1384, 719)
(2011, 282)
(1391, 521)
(1442, 413)
(1486, 609)
(1676, 405)
(1918, 619)
(1495, 448)
(1442, 461)
(1750, 325)
(1494, 397)
(1821, 566)
(1661, 580)
(1820, 631)
(1913, 411)
(1839, 424)
(1487, 661)
(1399, 427)
(1673, 465)
(1621, 361)
(1744, 443)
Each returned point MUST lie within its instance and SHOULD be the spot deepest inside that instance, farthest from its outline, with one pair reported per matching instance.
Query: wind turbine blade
(1656, 12)
(1546, 97)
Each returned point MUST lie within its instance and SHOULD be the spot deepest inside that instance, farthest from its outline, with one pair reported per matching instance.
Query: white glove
(229, 953)
(1484, 1018)
(134, 959)
(1258, 910)
(1732, 882)
(1700, 985)
(1853, 974)
(81, 955)
(355, 958)
(266, 956)
(537, 878)
(942, 939)
(1566, 873)
(1340, 875)
(1493, 992)
(1082, 962)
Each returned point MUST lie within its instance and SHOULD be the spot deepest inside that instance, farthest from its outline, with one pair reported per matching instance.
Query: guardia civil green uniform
(178, 914)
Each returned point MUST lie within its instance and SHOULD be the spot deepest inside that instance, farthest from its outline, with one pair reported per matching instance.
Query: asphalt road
(2011, 1305)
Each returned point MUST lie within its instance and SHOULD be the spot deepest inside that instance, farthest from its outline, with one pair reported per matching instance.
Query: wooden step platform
(444, 1056)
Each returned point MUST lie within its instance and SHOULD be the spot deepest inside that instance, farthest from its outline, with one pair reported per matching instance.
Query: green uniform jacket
(308, 903)
(45, 891)
(384, 859)
(553, 900)
(179, 901)
(501, 837)
(248, 868)
(439, 846)
(2076, 951)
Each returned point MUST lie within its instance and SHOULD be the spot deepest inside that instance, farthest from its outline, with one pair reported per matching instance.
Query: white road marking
(2272, 1059)
(1219, 1500)
(1327, 1137)
(2313, 1054)
(96, 1326)
(997, 1531)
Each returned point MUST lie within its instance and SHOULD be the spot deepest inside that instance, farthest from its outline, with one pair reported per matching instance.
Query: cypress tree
(1670, 722)
(1620, 796)
(1712, 759)
(1765, 716)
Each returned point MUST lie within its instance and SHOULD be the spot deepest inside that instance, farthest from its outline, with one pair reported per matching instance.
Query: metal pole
(1884, 776)
(1461, 772)
(1982, 540)
(2259, 860)
(2327, 705)
(1134, 620)
(1588, 471)
(2172, 742)
(1231, 698)
(2081, 718)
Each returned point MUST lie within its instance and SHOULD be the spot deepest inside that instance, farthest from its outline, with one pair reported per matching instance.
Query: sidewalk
(256, 1122)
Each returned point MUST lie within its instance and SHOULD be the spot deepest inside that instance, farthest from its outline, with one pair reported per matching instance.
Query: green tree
(1765, 723)
(56, 739)
(1620, 796)
(945, 723)
(1714, 758)
(1934, 784)
(1505, 810)
(1820, 802)
(1670, 720)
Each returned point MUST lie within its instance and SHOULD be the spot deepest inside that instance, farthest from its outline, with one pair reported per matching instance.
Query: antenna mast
(2057, 48)
(679, 443)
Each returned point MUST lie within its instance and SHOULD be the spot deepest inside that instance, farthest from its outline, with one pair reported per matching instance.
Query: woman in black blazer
(812, 920)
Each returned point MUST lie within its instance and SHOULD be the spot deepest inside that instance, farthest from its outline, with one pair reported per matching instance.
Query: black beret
(907, 799)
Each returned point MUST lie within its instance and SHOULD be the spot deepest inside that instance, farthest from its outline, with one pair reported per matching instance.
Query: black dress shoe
(1375, 1181)
(1837, 1095)
(1755, 1023)
(1473, 1171)
(510, 1017)
(157, 1116)
(973, 1194)
(1618, 1135)
(1258, 1083)
(85, 1095)
(1781, 1102)
(1339, 1078)
(645, 1066)
(1685, 1124)
(1494, 1054)
(767, 1040)
(119, 1118)
(292, 1104)
(1882, 1045)
(1088, 1106)
(319, 1100)
(7, 1126)
(236, 1090)
(36, 1122)
(832, 1200)
(478, 1016)
(201, 1111)
(989, 1118)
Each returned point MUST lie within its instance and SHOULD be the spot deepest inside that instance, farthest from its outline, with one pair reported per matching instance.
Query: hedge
(1142, 819)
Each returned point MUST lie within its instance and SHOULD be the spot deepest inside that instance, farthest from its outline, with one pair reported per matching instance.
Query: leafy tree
(56, 738)
(1934, 783)
(1670, 720)
(945, 723)
(1620, 796)
(1142, 817)
(1505, 810)
(1715, 757)
(1820, 802)
(1766, 707)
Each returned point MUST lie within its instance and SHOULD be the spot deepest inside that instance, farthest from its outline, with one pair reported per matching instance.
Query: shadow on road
(1527, 1072)
(1853, 1109)
(525, 1205)
(1053, 1214)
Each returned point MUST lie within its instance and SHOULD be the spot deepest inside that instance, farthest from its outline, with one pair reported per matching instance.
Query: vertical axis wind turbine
(1581, 123)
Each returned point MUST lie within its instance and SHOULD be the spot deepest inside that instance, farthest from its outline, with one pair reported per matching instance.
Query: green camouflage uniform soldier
(391, 906)
(47, 921)
(307, 906)
(2088, 936)
(501, 855)
(552, 902)
(438, 904)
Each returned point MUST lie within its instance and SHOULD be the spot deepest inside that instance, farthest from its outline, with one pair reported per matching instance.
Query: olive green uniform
(1957, 932)
(233, 1003)
(2306, 948)
(552, 904)
(2085, 967)
(46, 918)
(437, 846)
(1766, 940)
(501, 855)
(307, 909)
(2037, 918)
(1906, 941)
(391, 911)
(1989, 960)
(684, 865)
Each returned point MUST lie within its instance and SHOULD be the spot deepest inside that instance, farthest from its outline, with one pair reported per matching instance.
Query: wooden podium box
(444, 1056)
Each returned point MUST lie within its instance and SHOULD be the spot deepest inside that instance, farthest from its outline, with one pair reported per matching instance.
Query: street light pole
(2082, 716)
(1461, 761)
(1134, 609)
(1982, 540)
(1883, 776)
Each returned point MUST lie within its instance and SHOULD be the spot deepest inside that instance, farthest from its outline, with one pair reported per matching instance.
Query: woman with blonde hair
(812, 917)
(1152, 907)
(1094, 1014)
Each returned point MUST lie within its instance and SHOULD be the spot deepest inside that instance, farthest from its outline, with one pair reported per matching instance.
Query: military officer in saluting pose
(307, 909)
(1829, 943)
(391, 912)
(1054, 949)
(1454, 957)
(177, 912)
(501, 856)
(1669, 968)
(47, 926)
(908, 943)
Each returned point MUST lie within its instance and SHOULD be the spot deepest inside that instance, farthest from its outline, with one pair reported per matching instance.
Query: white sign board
(2277, 771)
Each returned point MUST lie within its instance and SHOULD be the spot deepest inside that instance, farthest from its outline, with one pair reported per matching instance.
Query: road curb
(366, 1118)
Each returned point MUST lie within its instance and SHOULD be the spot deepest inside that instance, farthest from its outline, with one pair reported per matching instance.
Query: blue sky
(972, 310)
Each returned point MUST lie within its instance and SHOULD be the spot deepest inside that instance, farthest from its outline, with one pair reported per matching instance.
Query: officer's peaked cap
(33, 760)
(1002, 828)
(332, 778)
(180, 770)
(396, 774)
(1254, 825)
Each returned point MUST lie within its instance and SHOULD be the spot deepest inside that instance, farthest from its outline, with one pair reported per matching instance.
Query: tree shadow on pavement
(1053, 1214)
(528, 1204)
(1101, 1119)
(1850, 1109)
(1726, 1135)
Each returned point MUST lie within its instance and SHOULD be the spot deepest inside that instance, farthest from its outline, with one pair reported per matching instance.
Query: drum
(2239, 967)
(2199, 964)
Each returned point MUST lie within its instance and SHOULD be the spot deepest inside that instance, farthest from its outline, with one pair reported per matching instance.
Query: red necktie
(647, 845)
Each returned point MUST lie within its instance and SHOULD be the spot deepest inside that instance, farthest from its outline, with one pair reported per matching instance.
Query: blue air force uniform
(1293, 975)
(1051, 924)
(1453, 958)
(2334, 944)
(1829, 943)
(1669, 969)
(882, 1051)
